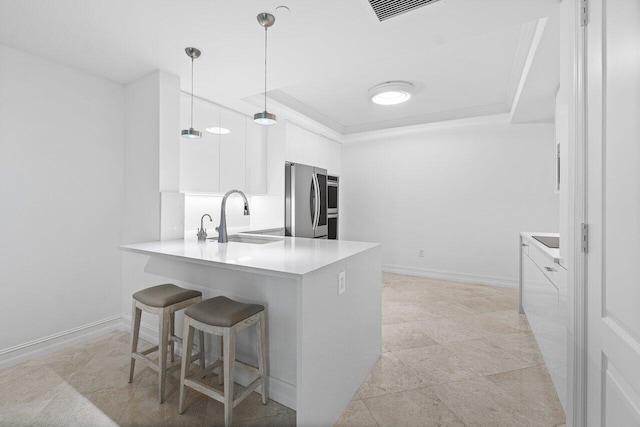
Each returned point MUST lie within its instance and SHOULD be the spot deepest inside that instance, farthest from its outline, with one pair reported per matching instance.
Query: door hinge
(584, 237)
(584, 13)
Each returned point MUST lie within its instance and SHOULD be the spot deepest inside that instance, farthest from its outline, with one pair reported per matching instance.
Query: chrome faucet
(202, 232)
(222, 228)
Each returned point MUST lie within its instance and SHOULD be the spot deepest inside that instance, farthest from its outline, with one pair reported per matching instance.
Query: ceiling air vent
(386, 9)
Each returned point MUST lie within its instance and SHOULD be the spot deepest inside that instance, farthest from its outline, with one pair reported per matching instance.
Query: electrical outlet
(421, 253)
(342, 282)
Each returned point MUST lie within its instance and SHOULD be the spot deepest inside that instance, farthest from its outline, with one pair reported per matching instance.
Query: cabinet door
(276, 141)
(301, 146)
(232, 151)
(545, 308)
(330, 154)
(256, 164)
(199, 158)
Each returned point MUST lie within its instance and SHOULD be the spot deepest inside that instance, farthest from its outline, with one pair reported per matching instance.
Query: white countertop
(554, 254)
(286, 256)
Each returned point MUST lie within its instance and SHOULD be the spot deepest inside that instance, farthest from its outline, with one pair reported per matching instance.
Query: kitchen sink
(252, 240)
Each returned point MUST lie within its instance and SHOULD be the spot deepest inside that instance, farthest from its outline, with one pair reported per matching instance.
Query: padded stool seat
(165, 295)
(222, 311)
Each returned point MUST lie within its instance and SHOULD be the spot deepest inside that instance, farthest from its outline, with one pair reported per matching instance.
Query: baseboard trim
(279, 390)
(23, 352)
(447, 275)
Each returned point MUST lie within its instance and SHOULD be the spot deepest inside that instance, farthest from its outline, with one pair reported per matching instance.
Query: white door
(613, 213)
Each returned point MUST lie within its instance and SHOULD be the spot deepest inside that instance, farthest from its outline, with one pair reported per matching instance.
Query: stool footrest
(204, 389)
(211, 367)
(142, 356)
(146, 359)
(249, 368)
(147, 351)
(218, 395)
(247, 391)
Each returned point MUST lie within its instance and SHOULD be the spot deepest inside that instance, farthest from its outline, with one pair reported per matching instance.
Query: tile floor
(453, 355)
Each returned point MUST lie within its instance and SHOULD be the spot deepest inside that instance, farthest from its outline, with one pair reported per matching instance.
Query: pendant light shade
(266, 118)
(191, 133)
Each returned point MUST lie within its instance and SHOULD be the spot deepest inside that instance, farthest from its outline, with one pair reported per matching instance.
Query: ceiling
(463, 56)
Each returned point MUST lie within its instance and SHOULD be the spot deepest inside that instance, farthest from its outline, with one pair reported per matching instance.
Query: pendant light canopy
(191, 133)
(265, 118)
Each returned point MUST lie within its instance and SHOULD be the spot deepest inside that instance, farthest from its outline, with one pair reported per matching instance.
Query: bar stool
(164, 301)
(224, 317)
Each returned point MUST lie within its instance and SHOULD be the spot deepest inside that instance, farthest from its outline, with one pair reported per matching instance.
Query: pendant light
(191, 133)
(265, 118)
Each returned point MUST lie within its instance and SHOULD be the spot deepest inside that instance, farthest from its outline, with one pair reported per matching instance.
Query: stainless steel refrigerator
(305, 201)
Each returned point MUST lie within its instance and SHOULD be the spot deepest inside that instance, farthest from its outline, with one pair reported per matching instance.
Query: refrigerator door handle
(316, 210)
(313, 202)
(319, 202)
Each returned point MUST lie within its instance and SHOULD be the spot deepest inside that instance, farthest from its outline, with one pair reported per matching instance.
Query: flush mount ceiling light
(265, 20)
(391, 93)
(192, 53)
(218, 130)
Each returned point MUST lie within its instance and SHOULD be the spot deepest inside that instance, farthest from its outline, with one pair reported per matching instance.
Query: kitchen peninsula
(323, 341)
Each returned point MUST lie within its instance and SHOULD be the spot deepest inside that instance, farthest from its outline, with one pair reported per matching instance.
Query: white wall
(61, 198)
(460, 191)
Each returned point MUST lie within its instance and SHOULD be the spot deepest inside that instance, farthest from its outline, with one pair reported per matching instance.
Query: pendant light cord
(192, 92)
(265, 68)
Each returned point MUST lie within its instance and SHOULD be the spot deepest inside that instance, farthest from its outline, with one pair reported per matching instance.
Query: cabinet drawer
(558, 276)
(524, 246)
(548, 267)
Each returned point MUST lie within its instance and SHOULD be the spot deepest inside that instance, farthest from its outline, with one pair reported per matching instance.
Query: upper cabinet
(237, 153)
(256, 158)
(232, 154)
(232, 151)
(199, 158)
(303, 146)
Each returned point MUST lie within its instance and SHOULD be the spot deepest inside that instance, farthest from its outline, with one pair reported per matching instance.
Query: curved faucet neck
(222, 228)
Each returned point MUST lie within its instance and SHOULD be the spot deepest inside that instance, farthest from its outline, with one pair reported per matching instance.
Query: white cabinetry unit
(276, 143)
(222, 161)
(232, 151)
(199, 158)
(312, 149)
(543, 293)
(257, 150)
(301, 146)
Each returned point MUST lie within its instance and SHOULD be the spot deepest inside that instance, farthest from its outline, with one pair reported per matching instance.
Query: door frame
(578, 194)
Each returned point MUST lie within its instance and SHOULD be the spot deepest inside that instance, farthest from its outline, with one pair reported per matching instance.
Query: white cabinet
(330, 156)
(312, 149)
(232, 151)
(276, 142)
(219, 162)
(301, 146)
(256, 158)
(543, 290)
(199, 158)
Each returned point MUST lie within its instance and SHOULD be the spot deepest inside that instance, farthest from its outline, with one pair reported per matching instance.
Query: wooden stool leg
(136, 314)
(172, 333)
(220, 357)
(261, 334)
(229, 364)
(164, 320)
(202, 350)
(187, 343)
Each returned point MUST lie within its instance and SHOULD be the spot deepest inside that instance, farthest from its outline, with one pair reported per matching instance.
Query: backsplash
(266, 212)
